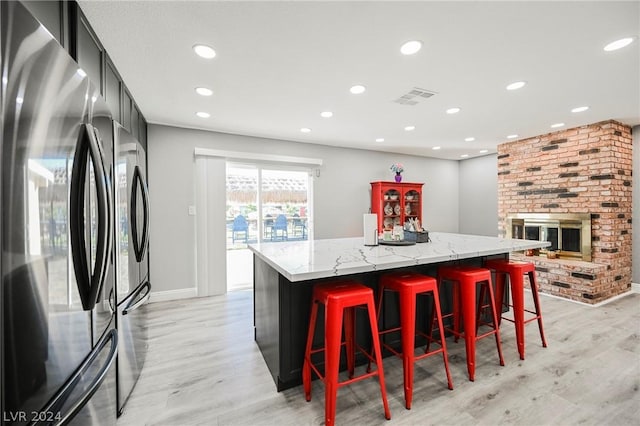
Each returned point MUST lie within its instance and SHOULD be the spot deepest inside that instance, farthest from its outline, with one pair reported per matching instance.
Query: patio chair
(299, 224)
(268, 226)
(240, 225)
(280, 225)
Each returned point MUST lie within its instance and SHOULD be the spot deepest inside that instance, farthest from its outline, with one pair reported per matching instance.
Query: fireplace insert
(568, 233)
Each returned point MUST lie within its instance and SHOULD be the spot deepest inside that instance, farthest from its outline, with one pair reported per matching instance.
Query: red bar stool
(516, 271)
(340, 300)
(409, 285)
(464, 279)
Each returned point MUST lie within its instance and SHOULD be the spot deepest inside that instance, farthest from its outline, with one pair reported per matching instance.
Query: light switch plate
(192, 210)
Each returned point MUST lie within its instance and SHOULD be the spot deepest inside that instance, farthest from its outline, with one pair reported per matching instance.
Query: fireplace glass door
(571, 239)
(542, 232)
(569, 234)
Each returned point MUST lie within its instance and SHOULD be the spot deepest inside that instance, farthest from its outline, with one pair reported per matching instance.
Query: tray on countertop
(396, 243)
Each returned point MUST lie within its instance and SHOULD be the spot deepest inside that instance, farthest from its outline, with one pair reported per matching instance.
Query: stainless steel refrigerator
(57, 297)
(132, 240)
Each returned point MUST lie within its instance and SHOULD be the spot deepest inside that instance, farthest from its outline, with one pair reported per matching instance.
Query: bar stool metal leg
(373, 322)
(332, 335)
(536, 302)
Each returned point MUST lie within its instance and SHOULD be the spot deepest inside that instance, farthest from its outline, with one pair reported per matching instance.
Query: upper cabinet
(126, 110)
(85, 47)
(113, 89)
(123, 108)
(66, 22)
(53, 15)
(143, 133)
(396, 203)
(135, 121)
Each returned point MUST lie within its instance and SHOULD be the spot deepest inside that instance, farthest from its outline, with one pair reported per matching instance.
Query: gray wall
(341, 192)
(636, 206)
(458, 196)
(478, 196)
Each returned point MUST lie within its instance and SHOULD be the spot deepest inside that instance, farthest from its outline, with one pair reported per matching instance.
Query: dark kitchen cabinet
(135, 121)
(85, 46)
(143, 132)
(112, 89)
(126, 110)
(69, 26)
(53, 15)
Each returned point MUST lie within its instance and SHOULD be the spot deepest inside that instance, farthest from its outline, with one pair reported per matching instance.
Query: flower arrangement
(397, 168)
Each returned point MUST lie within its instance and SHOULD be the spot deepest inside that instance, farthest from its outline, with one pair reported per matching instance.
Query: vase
(398, 177)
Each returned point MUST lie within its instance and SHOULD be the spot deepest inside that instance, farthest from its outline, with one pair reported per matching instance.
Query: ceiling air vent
(413, 96)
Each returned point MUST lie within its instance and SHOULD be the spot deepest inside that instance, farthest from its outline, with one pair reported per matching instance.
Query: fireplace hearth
(568, 233)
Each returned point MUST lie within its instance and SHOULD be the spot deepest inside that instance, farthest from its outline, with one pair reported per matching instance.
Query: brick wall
(586, 169)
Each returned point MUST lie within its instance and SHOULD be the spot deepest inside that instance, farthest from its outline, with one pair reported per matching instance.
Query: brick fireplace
(586, 169)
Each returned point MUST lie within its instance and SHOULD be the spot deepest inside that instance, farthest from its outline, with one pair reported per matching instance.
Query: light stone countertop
(305, 260)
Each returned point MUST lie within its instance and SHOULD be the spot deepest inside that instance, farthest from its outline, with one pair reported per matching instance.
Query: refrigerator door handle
(58, 401)
(89, 282)
(139, 247)
(135, 303)
(112, 299)
(145, 201)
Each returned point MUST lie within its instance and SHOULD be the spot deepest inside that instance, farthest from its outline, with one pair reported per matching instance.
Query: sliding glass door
(264, 204)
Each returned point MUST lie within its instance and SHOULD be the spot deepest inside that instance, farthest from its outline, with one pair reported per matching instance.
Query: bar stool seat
(340, 300)
(464, 279)
(409, 285)
(516, 270)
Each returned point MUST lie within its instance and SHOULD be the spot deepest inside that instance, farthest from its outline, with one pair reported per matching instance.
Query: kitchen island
(285, 272)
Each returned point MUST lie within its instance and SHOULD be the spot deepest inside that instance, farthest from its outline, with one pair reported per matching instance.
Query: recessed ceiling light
(380, 140)
(464, 155)
(512, 136)
(411, 47)
(580, 109)
(410, 128)
(204, 51)
(81, 72)
(326, 114)
(203, 91)
(554, 125)
(357, 89)
(484, 151)
(618, 44)
(19, 100)
(469, 139)
(202, 114)
(305, 130)
(516, 85)
(435, 148)
(453, 110)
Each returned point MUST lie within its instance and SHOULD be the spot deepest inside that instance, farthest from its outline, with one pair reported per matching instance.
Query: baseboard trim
(635, 288)
(164, 296)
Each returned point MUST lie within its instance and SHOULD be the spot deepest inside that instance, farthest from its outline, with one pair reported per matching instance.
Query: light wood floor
(204, 368)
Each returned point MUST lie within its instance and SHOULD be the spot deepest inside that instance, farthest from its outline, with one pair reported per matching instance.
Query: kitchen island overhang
(285, 272)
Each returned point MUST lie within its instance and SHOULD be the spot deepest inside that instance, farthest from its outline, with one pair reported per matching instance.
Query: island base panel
(282, 309)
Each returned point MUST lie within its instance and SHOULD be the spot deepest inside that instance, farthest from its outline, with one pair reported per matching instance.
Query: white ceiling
(279, 64)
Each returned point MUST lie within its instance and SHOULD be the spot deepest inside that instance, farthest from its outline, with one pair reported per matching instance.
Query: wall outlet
(192, 210)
